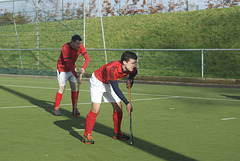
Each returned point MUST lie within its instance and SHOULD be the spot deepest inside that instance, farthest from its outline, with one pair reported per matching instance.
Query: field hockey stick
(130, 118)
(76, 101)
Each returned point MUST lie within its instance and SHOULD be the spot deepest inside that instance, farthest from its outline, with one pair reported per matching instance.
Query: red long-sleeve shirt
(111, 72)
(68, 57)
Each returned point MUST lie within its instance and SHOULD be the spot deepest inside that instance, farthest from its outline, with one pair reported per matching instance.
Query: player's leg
(90, 122)
(110, 96)
(58, 99)
(96, 92)
(72, 83)
(117, 116)
(117, 120)
(62, 79)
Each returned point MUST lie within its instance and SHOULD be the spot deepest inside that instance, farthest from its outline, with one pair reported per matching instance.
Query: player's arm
(130, 80)
(87, 60)
(120, 95)
(118, 91)
(84, 53)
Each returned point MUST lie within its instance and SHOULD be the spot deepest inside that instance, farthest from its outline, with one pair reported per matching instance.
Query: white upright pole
(36, 10)
(100, 13)
(84, 22)
(202, 63)
(15, 26)
(84, 39)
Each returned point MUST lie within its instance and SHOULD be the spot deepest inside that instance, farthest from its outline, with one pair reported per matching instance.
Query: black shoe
(57, 112)
(77, 112)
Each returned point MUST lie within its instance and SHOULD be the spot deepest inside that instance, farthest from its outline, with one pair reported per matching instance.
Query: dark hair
(76, 37)
(128, 55)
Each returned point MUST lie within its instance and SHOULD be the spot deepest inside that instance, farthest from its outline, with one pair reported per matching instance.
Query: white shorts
(63, 77)
(99, 89)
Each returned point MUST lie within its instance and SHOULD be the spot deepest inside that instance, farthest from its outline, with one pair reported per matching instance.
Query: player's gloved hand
(129, 108)
(129, 83)
(82, 70)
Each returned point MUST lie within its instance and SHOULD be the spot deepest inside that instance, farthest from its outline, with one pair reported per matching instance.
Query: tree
(20, 18)
(221, 3)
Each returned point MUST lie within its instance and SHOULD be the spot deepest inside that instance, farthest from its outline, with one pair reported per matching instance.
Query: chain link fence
(200, 63)
(24, 29)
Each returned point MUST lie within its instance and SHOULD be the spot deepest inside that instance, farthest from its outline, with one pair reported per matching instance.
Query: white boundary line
(135, 100)
(76, 130)
(86, 103)
(224, 119)
(216, 99)
(35, 87)
(41, 106)
(147, 99)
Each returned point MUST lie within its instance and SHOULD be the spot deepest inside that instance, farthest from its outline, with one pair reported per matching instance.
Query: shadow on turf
(71, 124)
(49, 107)
(234, 97)
(79, 123)
(46, 105)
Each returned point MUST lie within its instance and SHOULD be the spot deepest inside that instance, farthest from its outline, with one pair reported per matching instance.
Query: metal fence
(202, 63)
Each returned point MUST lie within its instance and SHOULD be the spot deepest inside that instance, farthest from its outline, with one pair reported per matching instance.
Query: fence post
(63, 8)
(202, 63)
(100, 14)
(15, 26)
(84, 30)
(137, 61)
(36, 10)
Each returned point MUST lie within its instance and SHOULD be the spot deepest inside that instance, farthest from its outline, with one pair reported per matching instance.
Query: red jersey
(110, 72)
(68, 57)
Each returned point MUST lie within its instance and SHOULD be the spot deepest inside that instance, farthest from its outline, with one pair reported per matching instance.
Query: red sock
(74, 96)
(90, 121)
(117, 120)
(58, 100)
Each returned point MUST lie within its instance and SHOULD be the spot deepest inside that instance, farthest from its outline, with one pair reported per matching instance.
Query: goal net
(31, 33)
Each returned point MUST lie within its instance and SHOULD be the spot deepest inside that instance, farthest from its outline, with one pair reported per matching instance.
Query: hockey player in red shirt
(104, 83)
(66, 70)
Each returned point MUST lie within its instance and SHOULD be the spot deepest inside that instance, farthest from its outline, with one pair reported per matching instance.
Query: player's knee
(61, 89)
(117, 106)
(72, 86)
(95, 107)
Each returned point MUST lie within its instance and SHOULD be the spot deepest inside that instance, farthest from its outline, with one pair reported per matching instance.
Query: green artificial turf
(173, 123)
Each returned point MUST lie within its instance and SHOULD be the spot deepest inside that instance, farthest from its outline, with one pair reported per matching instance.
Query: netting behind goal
(33, 28)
